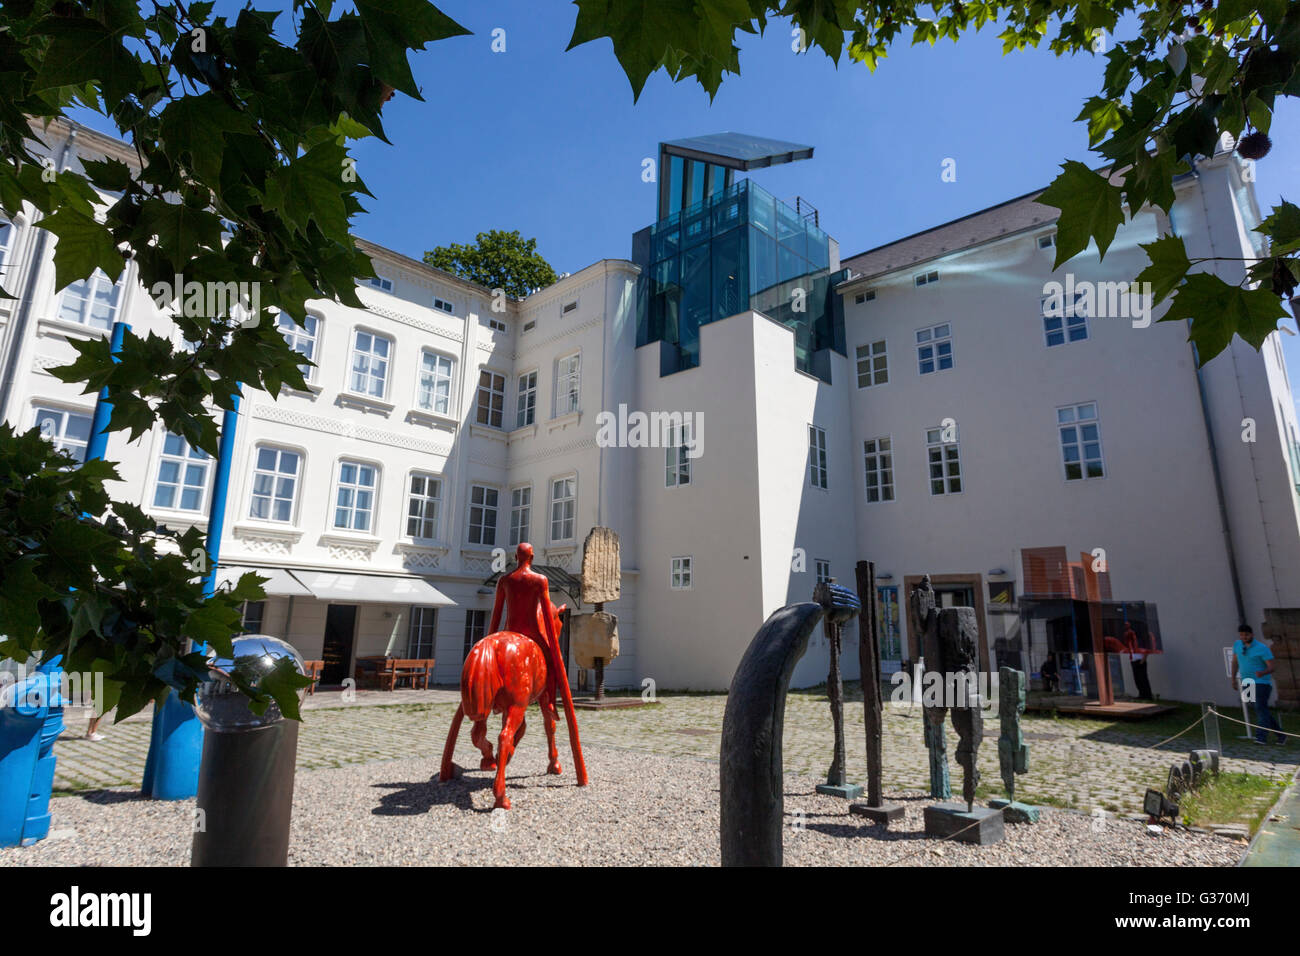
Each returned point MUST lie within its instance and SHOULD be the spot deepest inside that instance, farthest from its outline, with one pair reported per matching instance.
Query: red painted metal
(509, 669)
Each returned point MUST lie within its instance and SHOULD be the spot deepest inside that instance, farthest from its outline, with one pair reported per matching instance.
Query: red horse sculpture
(508, 670)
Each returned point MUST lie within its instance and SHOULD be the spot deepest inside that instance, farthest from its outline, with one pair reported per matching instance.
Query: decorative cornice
(413, 322)
(287, 416)
(589, 442)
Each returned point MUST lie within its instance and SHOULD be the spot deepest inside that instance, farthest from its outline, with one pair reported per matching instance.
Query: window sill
(422, 416)
(523, 431)
(274, 530)
(366, 403)
(339, 539)
(487, 431)
(561, 422)
(63, 329)
(311, 393)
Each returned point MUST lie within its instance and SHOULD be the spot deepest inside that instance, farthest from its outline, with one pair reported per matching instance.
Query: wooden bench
(313, 670)
(385, 672)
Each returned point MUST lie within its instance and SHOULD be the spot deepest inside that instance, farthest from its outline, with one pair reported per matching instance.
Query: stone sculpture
(509, 669)
(839, 604)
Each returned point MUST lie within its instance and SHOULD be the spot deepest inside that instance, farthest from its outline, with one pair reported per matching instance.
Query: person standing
(1137, 660)
(1253, 662)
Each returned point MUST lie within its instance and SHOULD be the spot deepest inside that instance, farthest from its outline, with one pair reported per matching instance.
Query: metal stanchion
(245, 790)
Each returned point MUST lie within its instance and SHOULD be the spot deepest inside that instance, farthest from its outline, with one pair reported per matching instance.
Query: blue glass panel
(697, 225)
(696, 298)
(790, 265)
(698, 172)
(728, 212)
(762, 209)
(675, 177)
(762, 261)
(819, 248)
(790, 230)
(665, 237)
(730, 275)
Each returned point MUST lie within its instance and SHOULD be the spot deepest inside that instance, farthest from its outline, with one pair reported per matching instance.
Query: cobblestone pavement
(1080, 763)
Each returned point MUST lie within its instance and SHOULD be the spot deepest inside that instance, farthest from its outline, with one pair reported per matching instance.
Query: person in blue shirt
(1253, 661)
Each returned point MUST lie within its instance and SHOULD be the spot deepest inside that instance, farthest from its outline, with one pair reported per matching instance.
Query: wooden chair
(313, 670)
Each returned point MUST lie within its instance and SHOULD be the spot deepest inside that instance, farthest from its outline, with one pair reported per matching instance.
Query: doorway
(950, 590)
(340, 631)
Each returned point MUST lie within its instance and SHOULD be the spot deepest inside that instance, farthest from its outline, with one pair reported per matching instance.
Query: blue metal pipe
(171, 771)
(98, 443)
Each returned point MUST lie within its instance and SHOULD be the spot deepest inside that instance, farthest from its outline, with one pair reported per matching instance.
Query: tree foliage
(241, 128)
(1192, 72)
(497, 260)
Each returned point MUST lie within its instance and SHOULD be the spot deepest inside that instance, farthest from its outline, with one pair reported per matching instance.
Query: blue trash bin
(31, 719)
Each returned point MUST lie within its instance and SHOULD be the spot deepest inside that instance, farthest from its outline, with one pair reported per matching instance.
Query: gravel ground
(640, 810)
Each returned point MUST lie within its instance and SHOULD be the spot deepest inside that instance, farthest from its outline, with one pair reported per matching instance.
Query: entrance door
(954, 596)
(340, 628)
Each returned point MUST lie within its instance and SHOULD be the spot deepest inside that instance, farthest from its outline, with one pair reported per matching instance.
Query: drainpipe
(25, 308)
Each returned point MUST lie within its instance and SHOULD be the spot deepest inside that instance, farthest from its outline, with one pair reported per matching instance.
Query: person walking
(1253, 662)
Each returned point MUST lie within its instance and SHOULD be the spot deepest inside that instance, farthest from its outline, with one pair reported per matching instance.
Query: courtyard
(367, 791)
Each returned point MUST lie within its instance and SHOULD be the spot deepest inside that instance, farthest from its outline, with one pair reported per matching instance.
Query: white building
(435, 429)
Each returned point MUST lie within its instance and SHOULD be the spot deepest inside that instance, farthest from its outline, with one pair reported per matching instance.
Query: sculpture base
(981, 825)
(1014, 811)
(846, 791)
(609, 703)
(885, 814)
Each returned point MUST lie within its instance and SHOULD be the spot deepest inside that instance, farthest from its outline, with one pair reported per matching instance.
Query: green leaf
(82, 51)
(1283, 229)
(1219, 310)
(1091, 208)
(84, 245)
(1169, 264)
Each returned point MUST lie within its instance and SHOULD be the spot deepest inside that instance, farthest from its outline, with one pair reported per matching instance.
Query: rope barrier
(1255, 726)
(1199, 720)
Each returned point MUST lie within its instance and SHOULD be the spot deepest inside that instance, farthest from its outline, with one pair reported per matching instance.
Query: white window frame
(681, 573)
(97, 282)
(184, 461)
(296, 337)
(677, 455)
(486, 533)
(1050, 238)
(929, 338)
(521, 514)
(423, 499)
(560, 517)
(822, 569)
(357, 490)
(1079, 443)
(422, 633)
(526, 399)
(568, 384)
(497, 325)
(818, 463)
(876, 370)
(8, 229)
(926, 278)
(380, 282)
(442, 305)
(276, 476)
(428, 380)
(372, 358)
(60, 439)
(492, 391)
(947, 475)
(877, 449)
(1071, 319)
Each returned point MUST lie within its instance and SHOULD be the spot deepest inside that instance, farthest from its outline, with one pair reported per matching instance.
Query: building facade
(931, 412)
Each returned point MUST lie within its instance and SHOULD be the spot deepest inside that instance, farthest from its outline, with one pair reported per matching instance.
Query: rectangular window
(677, 459)
(496, 325)
(927, 278)
(252, 616)
(1047, 241)
(680, 579)
(863, 297)
(1080, 441)
(491, 398)
(817, 456)
(379, 282)
(566, 384)
(564, 506)
(67, 431)
(354, 499)
(823, 570)
(945, 462)
(435, 382)
(300, 338)
(370, 363)
(482, 515)
(873, 364)
(423, 507)
(442, 305)
(1063, 321)
(275, 483)
(6, 241)
(521, 513)
(91, 302)
(182, 476)
(569, 307)
(526, 409)
(934, 348)
(475, 628)
(879, 457)
(421, 639)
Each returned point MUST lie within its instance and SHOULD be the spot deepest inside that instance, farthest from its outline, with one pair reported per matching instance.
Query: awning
(371, 589)
(558, 578)
(281, 582)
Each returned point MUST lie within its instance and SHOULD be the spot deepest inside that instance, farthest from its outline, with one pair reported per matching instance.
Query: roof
(558, 578)
(737, 150)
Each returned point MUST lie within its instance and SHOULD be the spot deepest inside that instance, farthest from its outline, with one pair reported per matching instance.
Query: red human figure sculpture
(511, 668)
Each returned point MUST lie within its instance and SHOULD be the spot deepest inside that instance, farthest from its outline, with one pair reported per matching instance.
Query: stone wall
(1282, 633)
